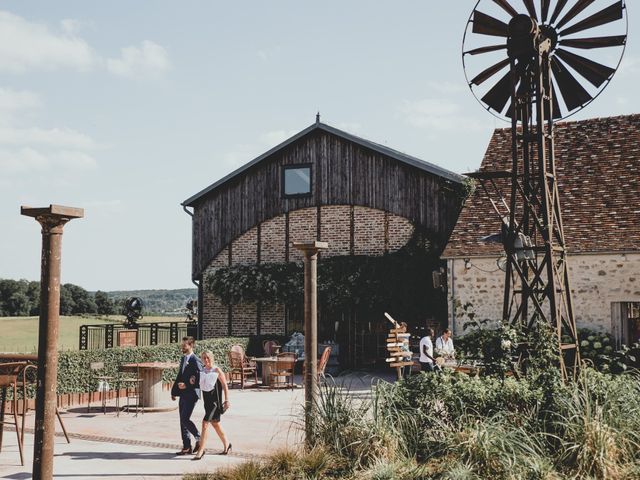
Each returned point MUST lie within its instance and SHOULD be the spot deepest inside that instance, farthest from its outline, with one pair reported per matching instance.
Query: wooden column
(310, 251)
(52, 219)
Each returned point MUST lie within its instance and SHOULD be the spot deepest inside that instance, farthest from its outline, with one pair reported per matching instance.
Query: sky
(126, 109)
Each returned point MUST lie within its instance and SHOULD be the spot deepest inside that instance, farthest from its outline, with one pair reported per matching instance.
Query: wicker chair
(241, 367)
(282, 374)
(270, 347)
(322, 364)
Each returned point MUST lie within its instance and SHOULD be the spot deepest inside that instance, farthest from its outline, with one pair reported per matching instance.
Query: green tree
(104, 304)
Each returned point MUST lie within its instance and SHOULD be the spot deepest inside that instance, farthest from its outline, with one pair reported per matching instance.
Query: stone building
(321, 184)
(598, 168)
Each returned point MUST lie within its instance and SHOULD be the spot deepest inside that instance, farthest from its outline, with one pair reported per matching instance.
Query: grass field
(20, 334)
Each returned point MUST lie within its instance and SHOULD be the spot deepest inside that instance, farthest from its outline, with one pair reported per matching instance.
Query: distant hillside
(158, 301)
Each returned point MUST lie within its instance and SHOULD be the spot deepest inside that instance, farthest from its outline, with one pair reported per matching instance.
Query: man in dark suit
(186, 387)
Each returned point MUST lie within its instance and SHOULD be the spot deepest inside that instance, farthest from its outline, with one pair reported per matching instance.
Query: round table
(153, 397)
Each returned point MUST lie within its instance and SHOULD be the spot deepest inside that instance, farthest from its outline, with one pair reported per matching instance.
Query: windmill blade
(497, 97)
(489, 72)
(506, 7)
(595, 42)
(575, 10)
(556, 11)
(610, 14)
(544, 8)
(572, 92)
(487, 25)
(530, 8)
(492, 48)
(595, 72)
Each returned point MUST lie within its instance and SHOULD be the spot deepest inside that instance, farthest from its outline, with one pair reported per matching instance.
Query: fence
(95, 337)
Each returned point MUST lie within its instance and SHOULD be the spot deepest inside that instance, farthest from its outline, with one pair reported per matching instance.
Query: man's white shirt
(446, 347)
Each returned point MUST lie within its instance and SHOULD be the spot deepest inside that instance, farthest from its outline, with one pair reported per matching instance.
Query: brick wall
(399, 232)
(272, 319)
(374, 232)
(244, 250)
(272, 240)
(596, 282)
(215, 316)
(244, 319)
(335, 228)
(303, 227)
(368, 231)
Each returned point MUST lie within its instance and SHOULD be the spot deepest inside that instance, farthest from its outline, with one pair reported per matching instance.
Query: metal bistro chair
(23, 383)
(133, 390)
(282, 374)
(10, 381)
(241, 367)
(96, 368)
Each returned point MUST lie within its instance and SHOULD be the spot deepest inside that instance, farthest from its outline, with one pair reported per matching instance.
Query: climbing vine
(399, 281)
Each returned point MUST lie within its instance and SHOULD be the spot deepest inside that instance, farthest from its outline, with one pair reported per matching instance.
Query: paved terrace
(104, 446)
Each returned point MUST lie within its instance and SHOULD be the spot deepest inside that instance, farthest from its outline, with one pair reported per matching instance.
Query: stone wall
(348, 230)
(596, 282)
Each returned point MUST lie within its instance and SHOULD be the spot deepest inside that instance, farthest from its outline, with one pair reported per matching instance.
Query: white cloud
(31, 150)
(53, 137)
(70, 25)
(265, 55)
(27, 46)
(447, 87)
(149, 59)
(276, 137)
(30, 46)
(22, 161)
(437, 114)
(29, 160)
(349, 127)
(630, 65)
(12, 101)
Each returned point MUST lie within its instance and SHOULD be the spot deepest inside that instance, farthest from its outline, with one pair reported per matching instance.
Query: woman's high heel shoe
(199, 457)
(226, 450)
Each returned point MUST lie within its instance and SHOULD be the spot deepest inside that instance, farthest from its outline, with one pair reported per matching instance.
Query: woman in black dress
(212, 384)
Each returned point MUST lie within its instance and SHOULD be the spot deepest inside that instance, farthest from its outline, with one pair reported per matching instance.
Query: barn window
(297, 180)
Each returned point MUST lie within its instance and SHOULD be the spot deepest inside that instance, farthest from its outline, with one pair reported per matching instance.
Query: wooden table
(151, 375)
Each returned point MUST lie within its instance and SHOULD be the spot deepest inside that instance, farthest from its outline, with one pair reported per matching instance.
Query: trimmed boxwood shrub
(74, 375)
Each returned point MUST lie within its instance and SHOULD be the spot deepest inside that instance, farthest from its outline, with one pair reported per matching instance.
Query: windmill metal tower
(545, 80)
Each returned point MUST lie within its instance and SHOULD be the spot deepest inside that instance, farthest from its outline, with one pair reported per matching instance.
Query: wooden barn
(366, 200)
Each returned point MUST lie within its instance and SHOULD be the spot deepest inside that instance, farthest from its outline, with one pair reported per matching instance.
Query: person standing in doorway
(427, 361)
(187, 387)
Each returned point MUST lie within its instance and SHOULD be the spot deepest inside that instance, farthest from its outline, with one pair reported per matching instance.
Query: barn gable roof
(598, 170)
(402, 157)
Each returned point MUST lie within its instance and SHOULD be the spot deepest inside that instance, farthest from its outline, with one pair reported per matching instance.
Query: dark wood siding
(343, 173)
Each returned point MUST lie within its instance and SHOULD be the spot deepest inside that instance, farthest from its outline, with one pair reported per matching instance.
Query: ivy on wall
(399, 282)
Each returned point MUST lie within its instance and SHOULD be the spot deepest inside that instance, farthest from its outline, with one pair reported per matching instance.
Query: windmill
(521, 63)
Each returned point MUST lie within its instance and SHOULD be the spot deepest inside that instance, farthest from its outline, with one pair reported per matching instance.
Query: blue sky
(128, 108)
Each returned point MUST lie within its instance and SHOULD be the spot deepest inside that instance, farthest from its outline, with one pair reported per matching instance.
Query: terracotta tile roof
(598, 168)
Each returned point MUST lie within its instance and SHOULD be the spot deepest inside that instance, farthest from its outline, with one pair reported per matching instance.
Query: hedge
(74, 375)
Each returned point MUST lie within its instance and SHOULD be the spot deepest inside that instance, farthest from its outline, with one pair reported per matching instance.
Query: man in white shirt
(444, 345)
(426, 351)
